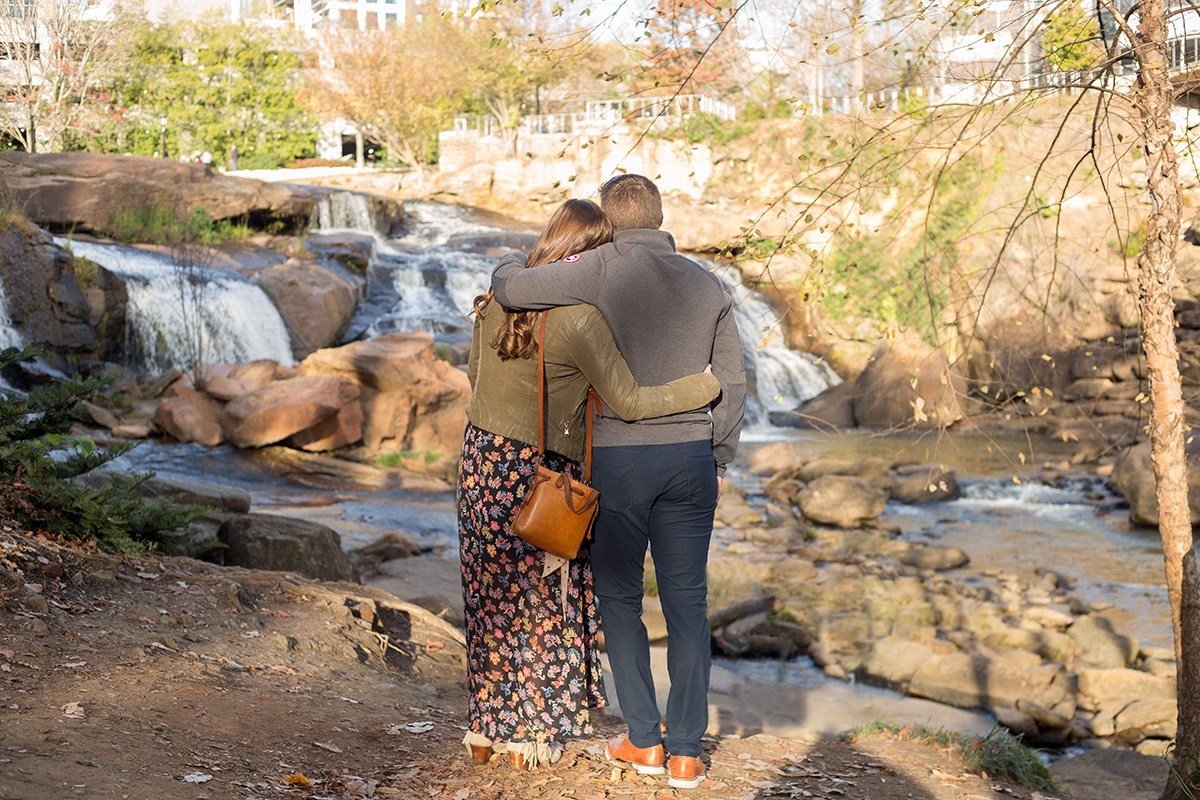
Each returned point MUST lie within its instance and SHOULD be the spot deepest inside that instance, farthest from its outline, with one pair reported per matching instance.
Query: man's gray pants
(664, 496)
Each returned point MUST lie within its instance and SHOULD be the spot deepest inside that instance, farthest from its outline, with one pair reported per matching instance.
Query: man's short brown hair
(632, 201)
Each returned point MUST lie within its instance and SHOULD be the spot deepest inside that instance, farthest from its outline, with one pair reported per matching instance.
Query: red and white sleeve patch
(572, 259)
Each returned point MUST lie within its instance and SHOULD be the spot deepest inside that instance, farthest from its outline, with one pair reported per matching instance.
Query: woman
(532, 664)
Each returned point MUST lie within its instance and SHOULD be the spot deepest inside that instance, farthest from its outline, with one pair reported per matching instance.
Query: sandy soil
(169, 678)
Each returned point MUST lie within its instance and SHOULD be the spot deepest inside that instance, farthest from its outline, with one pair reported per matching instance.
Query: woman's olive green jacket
(580, 352)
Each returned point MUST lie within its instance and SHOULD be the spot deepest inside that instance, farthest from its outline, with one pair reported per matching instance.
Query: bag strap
(541, 379)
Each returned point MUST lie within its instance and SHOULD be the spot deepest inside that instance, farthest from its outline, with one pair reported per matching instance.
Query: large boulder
(772, 458)
(908, 384)
(315, 298)
(284, 408)
(352, 250)
(270, 542)
(975, 681)
(892, 662)
(342, 429)
(74, 306)
(1098, 687)
(939, 557)
(412, 400)
(1099, 644)
(190, 416)
(926, 483)
(842, 500)
(86, 191)
(1134, 477)
(832, 408)
(1150, 717)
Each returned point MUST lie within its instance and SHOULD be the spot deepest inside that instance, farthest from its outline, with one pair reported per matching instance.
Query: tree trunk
(1153, 99)
(359, 148)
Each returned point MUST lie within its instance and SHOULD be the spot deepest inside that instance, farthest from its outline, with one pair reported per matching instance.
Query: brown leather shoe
(686, 772)
(481, 754)
(518, 761)
(646, 760)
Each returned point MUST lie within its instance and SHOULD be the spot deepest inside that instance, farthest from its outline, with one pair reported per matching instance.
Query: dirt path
(172, 678)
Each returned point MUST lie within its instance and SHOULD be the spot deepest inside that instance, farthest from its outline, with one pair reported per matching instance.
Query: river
(426, 278)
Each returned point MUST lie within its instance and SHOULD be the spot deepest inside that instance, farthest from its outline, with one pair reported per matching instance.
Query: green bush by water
(38, 459)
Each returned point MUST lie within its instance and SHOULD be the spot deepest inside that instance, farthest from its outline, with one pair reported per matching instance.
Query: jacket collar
(646, 237)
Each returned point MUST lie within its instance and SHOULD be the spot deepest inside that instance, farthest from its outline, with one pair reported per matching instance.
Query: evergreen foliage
(39, 457)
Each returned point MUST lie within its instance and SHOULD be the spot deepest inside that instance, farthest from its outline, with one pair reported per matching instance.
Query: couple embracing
(641, 324)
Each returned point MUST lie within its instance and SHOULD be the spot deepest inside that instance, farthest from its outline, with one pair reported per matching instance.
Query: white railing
(601, 114)
(899, 101)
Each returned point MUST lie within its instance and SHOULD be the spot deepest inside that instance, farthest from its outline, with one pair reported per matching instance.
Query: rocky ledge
(835, 583)
(84, 191)
(389, 395)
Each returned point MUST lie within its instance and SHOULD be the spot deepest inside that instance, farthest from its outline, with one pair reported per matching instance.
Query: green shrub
(158, 224)
(262, 160)
(38, 459)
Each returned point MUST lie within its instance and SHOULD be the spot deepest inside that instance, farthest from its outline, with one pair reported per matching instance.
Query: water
(237, 321)
(444, 259)
(9, 337)
(436, 275)
(1009, 520)
(8, 334)
(784, 378)
(342, 211)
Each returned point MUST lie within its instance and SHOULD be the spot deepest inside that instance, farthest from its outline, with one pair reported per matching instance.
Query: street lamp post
(162, 121)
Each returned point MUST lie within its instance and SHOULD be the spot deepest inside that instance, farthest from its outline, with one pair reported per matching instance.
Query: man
(659, 479)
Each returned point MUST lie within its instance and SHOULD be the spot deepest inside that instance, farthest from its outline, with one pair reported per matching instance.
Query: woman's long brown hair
(576, 226)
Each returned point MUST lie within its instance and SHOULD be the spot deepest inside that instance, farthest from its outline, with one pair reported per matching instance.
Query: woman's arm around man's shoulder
(576, 279)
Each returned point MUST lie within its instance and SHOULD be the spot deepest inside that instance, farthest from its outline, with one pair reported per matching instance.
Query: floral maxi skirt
(533, 668)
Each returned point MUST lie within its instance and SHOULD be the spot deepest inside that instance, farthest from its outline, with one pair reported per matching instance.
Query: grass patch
(85, 273)
(999, 753)
(406, 459)
(159, 224)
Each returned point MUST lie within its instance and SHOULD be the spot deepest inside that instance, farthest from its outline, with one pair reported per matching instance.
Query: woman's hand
(708, 370)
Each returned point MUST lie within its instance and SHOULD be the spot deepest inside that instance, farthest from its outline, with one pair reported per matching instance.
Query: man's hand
(720, 480)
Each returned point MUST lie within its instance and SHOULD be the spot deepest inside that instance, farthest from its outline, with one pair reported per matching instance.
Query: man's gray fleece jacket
(670, 318)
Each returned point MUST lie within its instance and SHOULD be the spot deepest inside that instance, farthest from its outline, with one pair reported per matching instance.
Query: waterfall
(433, 286)
(784, 378)
(342, 211)
(8, 334)
(237, 321)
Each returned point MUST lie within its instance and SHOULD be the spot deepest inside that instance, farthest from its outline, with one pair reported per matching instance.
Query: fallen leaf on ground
(73, 711)
(298, 779)
(197, 777)
(333, 748)
(945, 776)
(411, 727)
